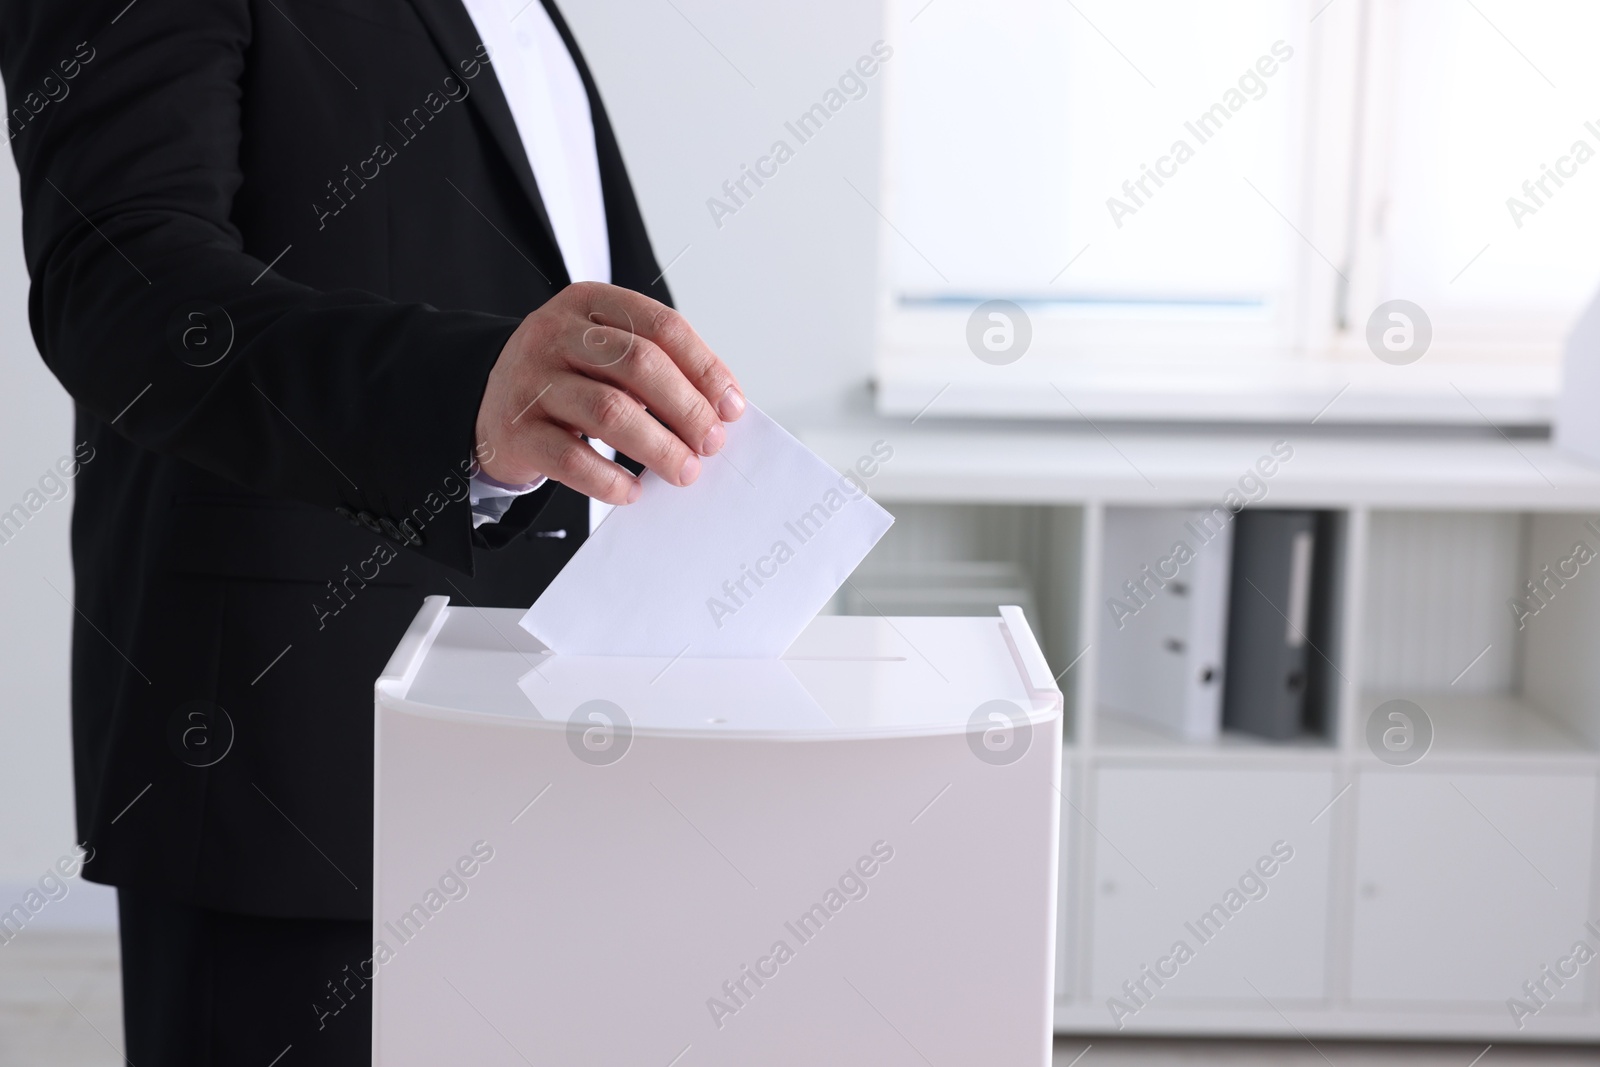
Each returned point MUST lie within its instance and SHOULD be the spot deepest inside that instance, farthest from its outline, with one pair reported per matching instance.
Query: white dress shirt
(550, 107)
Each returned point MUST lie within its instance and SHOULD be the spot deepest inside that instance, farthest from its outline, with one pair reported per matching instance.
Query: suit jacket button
(390, 530)
(347, 515)
(412, 537)
(370, 521)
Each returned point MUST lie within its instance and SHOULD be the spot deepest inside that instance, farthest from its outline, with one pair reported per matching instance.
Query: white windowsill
(1429, 392)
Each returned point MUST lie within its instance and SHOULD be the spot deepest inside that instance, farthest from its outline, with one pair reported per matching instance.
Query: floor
(60, 1005)
(1171, 1052)
(60, 1000)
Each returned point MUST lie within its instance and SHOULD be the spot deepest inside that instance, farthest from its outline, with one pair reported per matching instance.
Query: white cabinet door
(1466, 884)
(1176, 856)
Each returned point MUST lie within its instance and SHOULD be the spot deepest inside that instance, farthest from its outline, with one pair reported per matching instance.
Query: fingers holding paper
(609, 363)
(712, 390)
(609, 413)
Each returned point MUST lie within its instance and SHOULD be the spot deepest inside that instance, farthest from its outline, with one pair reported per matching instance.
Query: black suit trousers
(205, 988)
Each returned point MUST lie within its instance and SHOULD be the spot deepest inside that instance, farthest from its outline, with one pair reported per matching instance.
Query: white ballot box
(844, 856)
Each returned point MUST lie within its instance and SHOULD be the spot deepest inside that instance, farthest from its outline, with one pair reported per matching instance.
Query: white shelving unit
(1419, 898)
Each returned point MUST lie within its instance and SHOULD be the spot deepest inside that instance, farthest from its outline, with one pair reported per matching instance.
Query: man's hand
(607, 362)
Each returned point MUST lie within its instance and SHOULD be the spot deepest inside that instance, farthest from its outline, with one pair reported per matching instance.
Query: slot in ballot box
(845, 856)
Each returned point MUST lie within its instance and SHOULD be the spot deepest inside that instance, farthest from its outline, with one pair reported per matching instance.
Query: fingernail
(714, 440)
(634, 490)
(691, 470)
(731, 406)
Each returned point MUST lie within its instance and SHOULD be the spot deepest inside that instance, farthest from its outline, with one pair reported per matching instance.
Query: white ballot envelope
(733, 566)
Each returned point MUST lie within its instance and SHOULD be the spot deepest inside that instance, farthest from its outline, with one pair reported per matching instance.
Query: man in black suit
(291, 261)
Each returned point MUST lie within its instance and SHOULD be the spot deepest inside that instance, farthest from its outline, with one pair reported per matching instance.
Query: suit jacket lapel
(457, 39)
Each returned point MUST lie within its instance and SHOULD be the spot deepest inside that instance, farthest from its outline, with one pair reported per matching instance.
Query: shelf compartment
(1119, 735)
(1487, 724)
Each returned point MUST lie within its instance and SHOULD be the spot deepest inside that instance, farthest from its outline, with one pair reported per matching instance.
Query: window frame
(1152, 364)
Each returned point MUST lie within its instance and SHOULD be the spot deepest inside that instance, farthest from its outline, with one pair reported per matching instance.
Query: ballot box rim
(1046, 703)
(388, 701)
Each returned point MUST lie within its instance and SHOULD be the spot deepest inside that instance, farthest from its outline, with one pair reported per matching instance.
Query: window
(1489, 215)
(1199, 208)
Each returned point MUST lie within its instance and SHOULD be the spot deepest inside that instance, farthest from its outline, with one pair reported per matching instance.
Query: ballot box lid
(844, 677)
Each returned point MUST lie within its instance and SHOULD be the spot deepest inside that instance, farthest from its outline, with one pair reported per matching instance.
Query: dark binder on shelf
(1274, 682)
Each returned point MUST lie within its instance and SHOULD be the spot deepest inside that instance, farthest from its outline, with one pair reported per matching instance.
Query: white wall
(783, 291)
(35, 430)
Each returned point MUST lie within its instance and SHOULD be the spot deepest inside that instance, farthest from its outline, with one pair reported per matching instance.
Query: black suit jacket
(275, 247)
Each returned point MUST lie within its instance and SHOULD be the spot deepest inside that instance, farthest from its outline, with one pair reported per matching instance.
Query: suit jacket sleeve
(140, 279)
